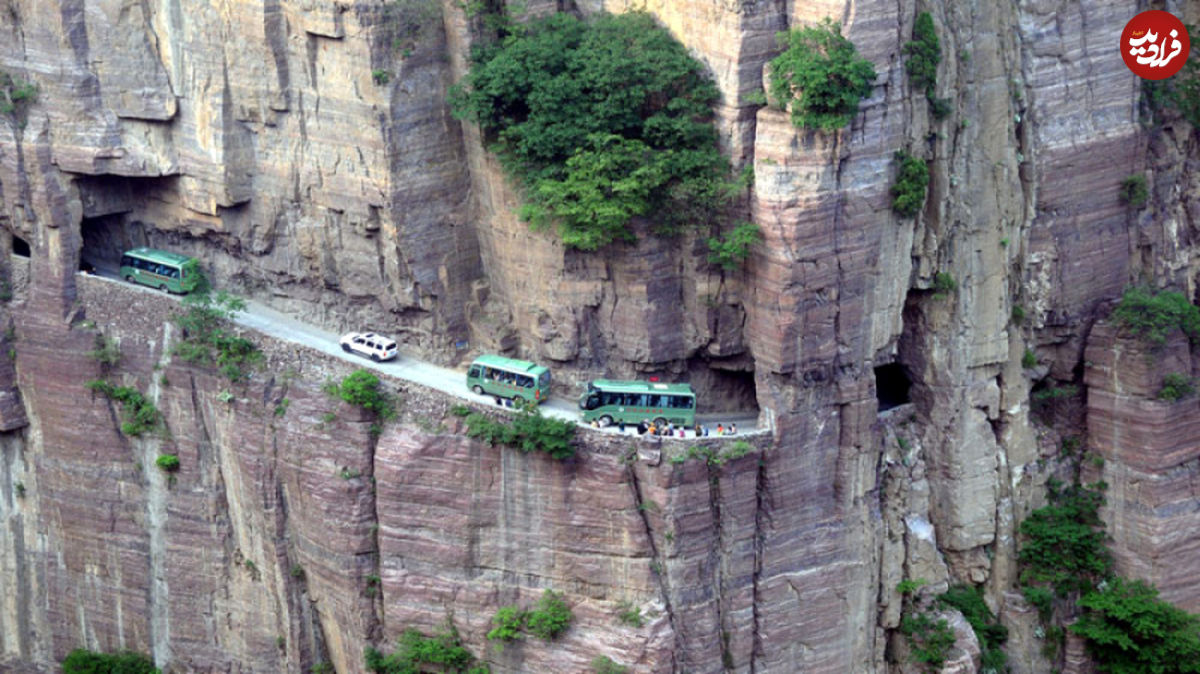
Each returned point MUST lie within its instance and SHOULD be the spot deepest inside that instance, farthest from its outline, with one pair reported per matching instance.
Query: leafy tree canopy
(1130, 630)
(601, 121)
(821, 74)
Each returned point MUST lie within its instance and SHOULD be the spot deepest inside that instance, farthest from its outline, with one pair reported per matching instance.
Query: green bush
(1176, 386)
(910, 585)
(1029, 359)
(602, 664)
(1018, 313)
(380, 76)
(1152, 316)
(82, 661)
(417, 653)
(990, 633)
(167, 462)
(1133, 190)
(821, 74)
(1064, 541)
(207, 339)
(1040, 598)
(529, 431)
(1129, 629)
(138, 414)
(550, 617)
(107, 351)
(924, 54)
(730, 253)
(15, 95)
(908, 192)
(601, 122)
(362, 389)
(928, 639)
(630, 615)
(943, 285)
(1181, 91)
(508, 623)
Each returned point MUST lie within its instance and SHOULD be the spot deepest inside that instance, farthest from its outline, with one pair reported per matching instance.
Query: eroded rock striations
(305, 152)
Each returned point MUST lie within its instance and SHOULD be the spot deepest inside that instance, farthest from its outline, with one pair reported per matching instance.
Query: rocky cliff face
(304, 151)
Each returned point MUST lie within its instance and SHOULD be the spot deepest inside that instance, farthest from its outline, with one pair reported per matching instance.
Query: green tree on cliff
(821, 75)
(601, 122)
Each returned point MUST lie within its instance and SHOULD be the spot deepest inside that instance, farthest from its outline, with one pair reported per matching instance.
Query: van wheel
(661, 422)
(346, 348)
(163, 288)
(605, 421)
(477, 389)
(375, 357)
(128, 278)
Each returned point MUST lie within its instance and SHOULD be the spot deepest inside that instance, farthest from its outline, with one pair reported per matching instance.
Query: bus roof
(617, 386)
(510, 364)
(159, 256)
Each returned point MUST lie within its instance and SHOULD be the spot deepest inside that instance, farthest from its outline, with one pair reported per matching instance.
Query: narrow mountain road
(266, 320)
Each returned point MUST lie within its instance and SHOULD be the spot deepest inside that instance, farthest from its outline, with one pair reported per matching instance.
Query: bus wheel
(661, 422)
(128, 278)
(605, 421)
(477, 389)
(163, 288)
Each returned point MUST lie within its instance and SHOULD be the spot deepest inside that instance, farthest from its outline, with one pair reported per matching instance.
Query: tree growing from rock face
(601, 122)
(821, 76)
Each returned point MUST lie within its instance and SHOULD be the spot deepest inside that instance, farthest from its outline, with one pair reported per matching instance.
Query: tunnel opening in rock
(20, 247)
(104, 239)
(724, 390)
(892, 386)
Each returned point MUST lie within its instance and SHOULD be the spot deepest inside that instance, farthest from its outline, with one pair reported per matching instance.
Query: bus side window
(611, 399)
(688, 402)
(524, 382)
(473, 372)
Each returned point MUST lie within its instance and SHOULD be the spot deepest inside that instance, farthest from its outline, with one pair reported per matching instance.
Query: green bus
(159, 269)
(609, 401)
(509, 378)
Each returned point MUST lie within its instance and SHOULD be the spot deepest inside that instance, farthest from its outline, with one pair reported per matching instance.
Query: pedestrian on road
(681, 432)
(720, 429)
(697, 430)
(621, 426)
(733, 429)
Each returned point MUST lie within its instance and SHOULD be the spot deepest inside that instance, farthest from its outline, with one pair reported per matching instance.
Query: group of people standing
(672, 431)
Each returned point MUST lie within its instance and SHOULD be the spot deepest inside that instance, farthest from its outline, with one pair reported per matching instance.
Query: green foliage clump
(82, 661)
(908, 192)
(550, 617)
(1064, 541)
(508, 623)
(1133, 190)
(1129, 629)
(107, 352)
(928, 639)
(924, 54)
(529, 431)
(630, 614)
(207, 339)
(991, 634)
(601, 121)
(363, 389)
(15, 95)
(821, 74)
(1152, 316)
(602, 664)
(943, 285)
(1029, 359)
(910, 585)
(1040, 598)
(1175, 387)
(731, 252)
(380, 76)
(167, 462)
(138, 414)
(416, 653)
(1018, 311)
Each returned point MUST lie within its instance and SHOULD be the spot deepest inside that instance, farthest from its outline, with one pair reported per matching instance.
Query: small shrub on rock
(908, 192)
(415, 652)
(821, 74)
(1152, 316)
(363, 389)
(1175, 387)
(1133, 191)
(508, 622)
(82, 661)
(138, 414)
(550, 617)
(167, 462)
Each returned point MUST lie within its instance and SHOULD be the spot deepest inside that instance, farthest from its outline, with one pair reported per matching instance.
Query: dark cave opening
(104, 239)
(720, 390)
(20, 247)
(892, 386)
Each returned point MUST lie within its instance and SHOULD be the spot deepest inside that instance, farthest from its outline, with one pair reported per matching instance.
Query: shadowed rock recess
(305, 152)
